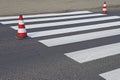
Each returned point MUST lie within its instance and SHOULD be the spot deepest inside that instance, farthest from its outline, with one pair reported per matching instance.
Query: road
(80, 45)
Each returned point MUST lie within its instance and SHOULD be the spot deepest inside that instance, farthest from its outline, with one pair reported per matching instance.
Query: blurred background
(16, 7)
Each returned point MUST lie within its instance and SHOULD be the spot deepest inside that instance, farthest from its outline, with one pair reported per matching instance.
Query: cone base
(22, 35)
(105, 12)
(22, 38)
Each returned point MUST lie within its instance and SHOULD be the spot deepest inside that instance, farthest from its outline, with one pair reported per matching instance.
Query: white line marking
(67, 22)
(91, 54)
(73, 29)
(111, 75)
(80, 37)
(46, 15)
(54, 18)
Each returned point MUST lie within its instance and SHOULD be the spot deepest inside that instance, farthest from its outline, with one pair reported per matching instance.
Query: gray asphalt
(29, 60)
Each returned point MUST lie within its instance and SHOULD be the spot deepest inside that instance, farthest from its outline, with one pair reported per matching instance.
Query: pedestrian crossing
(95, 53)
(73, 29)
(46, 15)
(55, 18)
(67, 22)
(79, 38)
(111, 75)
(62, 23)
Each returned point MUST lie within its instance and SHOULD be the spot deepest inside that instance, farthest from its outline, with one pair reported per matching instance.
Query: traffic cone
(22, 33)
(104, 10)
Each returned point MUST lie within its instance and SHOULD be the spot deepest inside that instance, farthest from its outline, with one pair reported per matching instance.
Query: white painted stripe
(9, 17)
(53, 18)
(73, 29)
(111, 75)
(68, 22)
(91, 54)
(21, 30)
(80, 37)
(46, 15)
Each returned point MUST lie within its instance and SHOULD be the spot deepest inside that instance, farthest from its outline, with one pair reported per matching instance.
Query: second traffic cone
(104, 10)
(22, 33)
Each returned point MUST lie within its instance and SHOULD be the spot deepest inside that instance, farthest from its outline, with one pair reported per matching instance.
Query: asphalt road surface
(80, 45)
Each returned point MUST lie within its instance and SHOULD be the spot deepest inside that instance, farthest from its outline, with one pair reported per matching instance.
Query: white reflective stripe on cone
(104, 9)
(104, 5)
(21, 30)
(21, 22)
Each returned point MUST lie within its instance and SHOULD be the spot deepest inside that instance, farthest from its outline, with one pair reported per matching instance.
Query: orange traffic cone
(22, 33)
(104, 10)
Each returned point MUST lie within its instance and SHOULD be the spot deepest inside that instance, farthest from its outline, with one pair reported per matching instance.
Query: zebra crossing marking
(42, 25)
(80, 56)
(79, 38)
(55, 18)
(73, 29)
(46, 15)
(70, 39)
(91, 54)
(111, 75)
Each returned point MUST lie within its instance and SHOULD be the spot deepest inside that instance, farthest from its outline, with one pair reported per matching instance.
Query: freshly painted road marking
(53, 18)
(91, 54)
(73, 29)
(67, 22)
(111, 75)
(46, 15)
(80, 37)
